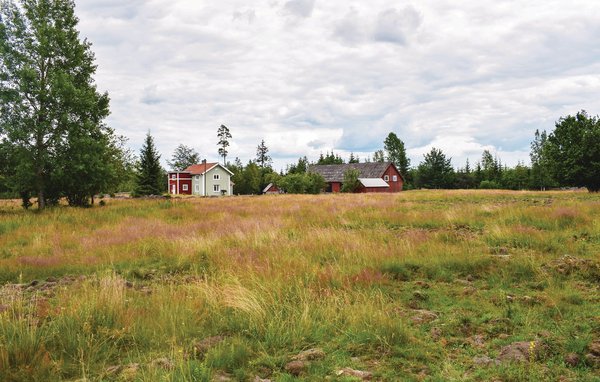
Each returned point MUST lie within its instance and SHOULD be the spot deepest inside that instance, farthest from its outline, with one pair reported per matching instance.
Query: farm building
(206, 179)
(272, 189)
(374, 176)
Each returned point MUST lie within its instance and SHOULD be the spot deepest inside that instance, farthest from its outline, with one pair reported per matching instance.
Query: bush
(489, 185)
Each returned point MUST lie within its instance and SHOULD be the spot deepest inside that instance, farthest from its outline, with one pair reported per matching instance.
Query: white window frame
(386, 178)
(174, 176)
(216, 177)
(184, 187)
(216, 188)
(395, 178)
(197, 177)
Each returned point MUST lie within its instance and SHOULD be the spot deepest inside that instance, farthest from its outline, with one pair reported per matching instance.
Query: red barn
(373, 176)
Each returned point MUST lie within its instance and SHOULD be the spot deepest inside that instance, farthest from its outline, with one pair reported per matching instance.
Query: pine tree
(149, 171)
(262, 155)
(224, 136)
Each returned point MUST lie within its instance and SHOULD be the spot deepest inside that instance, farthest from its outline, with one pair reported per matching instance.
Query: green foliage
(396, 153)
(183, 157)
(379, 156)
(330, 159)
(435, 171)
(572, 151)
(150, 175)
(299, 168)
(351, 182)
(489, 185)
(305, 183)
(50, 110)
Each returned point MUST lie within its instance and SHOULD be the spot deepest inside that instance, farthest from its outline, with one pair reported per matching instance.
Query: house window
(216, 177)
(216, 188)
(173, 176)
(386, 178)
(395, 178)
(184, 187)
(197, 177)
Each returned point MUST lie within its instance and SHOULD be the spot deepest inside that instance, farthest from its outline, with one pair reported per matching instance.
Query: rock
(594, 348)
(592, 360)
(296, 367)
(572, 359)
(259, 379)
(521, 351)
(470, 278)
(163, 363)
(113, 370)
(348, 372)
(485, 361)
(436, 333)
(423, 316)
(222, 377)
(309, 355)
(200, 348)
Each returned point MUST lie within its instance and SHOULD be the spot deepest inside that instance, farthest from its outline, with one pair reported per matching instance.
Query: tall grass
(367, 278)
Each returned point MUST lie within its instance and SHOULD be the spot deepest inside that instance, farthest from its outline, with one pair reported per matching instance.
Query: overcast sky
(311, 76)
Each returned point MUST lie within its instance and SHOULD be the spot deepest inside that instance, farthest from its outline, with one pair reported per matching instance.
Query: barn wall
(394, 186)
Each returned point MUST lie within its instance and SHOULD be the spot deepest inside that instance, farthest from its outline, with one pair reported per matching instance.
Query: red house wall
(336, 187)
(394, 186)
(183, 179)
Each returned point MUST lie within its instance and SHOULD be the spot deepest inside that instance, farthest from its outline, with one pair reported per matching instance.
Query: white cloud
(311, 76)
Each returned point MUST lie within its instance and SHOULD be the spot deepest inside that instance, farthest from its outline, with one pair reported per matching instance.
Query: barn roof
(373, 182)
(335, 172)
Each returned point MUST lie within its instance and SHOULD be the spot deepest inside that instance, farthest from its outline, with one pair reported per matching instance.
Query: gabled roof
(335, 172)
(201, 169)
(373, 182)
(268, 187)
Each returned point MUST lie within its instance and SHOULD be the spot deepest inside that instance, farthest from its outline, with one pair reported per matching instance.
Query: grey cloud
(350, 29)
(300, 8)
(396, 26)
(248, 15)
(151, 96)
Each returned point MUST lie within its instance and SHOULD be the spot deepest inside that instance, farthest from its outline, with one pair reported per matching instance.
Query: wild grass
(411, 286)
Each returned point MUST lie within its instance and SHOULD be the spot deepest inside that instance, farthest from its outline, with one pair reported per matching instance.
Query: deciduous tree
(183, 157)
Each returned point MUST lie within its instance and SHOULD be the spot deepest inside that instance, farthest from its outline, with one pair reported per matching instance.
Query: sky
(312, 76)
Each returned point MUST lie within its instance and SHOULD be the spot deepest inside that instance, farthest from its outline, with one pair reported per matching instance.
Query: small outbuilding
(272, 189)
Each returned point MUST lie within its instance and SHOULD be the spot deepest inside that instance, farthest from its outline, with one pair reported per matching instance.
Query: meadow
(416, 286)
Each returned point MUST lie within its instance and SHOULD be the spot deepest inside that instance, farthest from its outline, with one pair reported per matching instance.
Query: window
(216, 177)
(386, 178)
(216, 188)
(184, 187)
(395, 178)
(197, 177)
(173, 176)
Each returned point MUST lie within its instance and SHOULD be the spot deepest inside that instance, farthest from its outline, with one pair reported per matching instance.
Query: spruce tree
(149, 171)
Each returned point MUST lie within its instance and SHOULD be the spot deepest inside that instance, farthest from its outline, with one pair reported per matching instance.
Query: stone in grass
(348, 372)
(296, 367)
(485, 361)
(422, 316)
(572, 359)
(592, 358)
(200, 348)
(521, 351)
(259, 379)
(309, 355)
(221, 376)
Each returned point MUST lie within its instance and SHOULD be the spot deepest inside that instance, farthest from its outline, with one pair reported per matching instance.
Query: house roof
(373, 182)
(268, 187)
(199, 169)
(335, 172)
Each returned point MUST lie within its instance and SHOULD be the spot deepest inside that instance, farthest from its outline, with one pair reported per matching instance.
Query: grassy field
(418, 286)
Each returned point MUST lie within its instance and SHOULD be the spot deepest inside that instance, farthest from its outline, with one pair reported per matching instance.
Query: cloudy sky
(311, 76)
